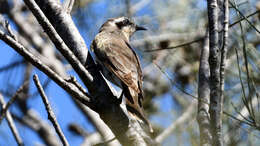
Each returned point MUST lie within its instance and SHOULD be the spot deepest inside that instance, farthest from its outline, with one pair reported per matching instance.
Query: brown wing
(119, 58)
(117, 55)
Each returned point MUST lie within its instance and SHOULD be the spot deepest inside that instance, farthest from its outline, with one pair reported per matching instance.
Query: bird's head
(123, 24)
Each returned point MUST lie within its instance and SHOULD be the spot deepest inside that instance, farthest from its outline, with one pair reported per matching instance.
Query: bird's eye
(126, 22)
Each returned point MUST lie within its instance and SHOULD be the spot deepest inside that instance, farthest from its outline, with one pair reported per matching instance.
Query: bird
(120, 63)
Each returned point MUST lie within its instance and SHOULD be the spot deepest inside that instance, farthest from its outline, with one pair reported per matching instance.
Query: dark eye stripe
(125, 22)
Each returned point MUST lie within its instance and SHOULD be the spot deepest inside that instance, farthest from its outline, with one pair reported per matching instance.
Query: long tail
(134, 106)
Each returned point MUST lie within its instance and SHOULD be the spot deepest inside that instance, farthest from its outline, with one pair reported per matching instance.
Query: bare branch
(245, 100)
(7, 26)
(238, 21)
(11, 101)
(63, 24)
(174, 83)
(12, 65)
(242, 15)
(11, 123)
(185, 117)
(36, 62)
(51, 115)
(178, 46)
(73, 80)
(214, 63)
(29, 35)
(167, 36)
(45, 131)
(204, 95)
(60, 45)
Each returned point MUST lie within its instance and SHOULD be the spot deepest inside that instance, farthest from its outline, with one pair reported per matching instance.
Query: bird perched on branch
(120, 64)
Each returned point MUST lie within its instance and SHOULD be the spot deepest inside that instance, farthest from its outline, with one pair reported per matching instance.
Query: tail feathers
(134, 106)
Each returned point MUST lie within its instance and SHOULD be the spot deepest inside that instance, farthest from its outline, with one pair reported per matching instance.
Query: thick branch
(204, 95)
(215, 100)
(224, 54)
(58, 42)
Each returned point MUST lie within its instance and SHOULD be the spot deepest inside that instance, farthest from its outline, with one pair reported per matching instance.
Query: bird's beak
(137, 28)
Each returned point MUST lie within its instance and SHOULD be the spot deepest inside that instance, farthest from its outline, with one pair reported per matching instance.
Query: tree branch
(45, 131)
(58, 42)
(223, 57)
(13, 98)
(51, 115)
(187, 115)
(70, 88)
(214, 62)
(204, 95)
(245, 18)
(11, 123)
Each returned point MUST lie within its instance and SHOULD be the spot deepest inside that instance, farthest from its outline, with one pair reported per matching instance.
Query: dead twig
(11, 101)
(51, 115)
(11, 123)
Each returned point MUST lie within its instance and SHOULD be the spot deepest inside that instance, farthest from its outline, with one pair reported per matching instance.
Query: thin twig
(174, 47)
(241, 82)
(252, 14)
(11, 123)
(68, 5)
(33, 121)
(240, 114)
(51, 115)
(73, 80)
(11, 65)
(242, 15)
(185, 92)
(11, 101)
(251, 110)
(235, 118)
(44, 86)
(8, 27)
(198, 40)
